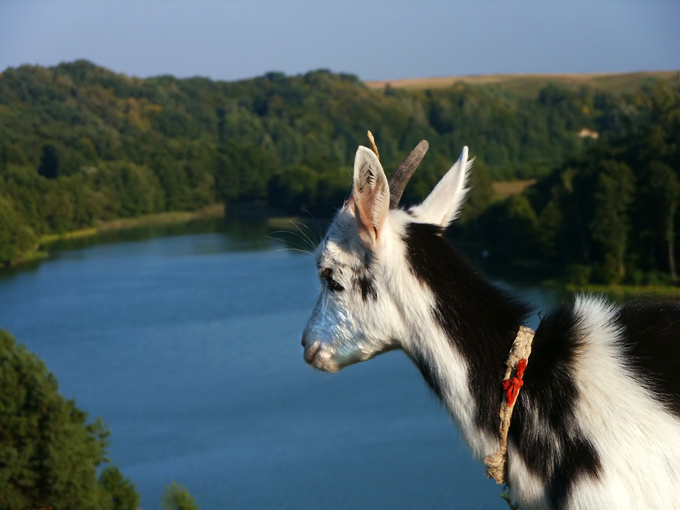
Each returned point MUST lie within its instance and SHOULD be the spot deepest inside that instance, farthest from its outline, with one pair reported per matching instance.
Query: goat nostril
(311, 353)
(304, 342)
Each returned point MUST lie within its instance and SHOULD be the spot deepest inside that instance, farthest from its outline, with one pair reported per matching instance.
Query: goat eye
(327, 275)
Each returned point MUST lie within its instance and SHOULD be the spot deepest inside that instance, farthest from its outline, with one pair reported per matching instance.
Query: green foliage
(243, 171)
(49, 162)
(316, 184)
(126, 190)
(294, 188)
(579, 274)
(16, 237)
(659, 202)
(479, 198)
(121, 491)
(50, 453)
(610, 224)
(511, 226)
(89, 113)
(177, 497)
(611, 214)
(80, 144)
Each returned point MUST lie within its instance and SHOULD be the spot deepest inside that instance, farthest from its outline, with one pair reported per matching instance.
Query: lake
(186, 342)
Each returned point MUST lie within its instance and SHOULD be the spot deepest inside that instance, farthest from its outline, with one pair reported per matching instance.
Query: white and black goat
(597, 423)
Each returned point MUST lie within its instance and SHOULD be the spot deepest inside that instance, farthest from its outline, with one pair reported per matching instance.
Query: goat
(597, 423)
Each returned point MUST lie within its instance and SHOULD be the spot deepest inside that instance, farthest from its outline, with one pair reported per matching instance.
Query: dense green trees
(610, 223)
(80, 145)
(659, 199)
(611, 214)
(16, 237)
(50, 453)
(242, 172)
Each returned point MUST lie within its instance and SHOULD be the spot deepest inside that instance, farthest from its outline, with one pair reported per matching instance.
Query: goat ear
(443, 204)
(370, 194)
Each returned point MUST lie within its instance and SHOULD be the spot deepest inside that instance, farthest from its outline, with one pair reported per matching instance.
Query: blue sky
(374, 39)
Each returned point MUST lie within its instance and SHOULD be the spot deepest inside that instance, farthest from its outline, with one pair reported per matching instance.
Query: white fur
(637, 440)
(444, 203)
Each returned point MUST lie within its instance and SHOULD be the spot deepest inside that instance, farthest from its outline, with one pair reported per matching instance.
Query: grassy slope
(506, 189)
(528, 85)
(164, 218)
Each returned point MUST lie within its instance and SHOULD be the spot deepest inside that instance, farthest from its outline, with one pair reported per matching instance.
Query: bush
(579, 274)
(122, 493)
(50, 453)
(177, 497)
(16, 237)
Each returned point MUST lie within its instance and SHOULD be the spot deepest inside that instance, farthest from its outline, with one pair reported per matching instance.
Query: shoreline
(251, 211)
(169, 218)
(164, 218)
(41, 251)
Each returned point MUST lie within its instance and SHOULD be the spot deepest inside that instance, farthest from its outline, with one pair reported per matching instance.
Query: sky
(373, 39)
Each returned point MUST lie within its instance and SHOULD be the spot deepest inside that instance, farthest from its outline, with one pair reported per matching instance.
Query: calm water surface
(188, 346)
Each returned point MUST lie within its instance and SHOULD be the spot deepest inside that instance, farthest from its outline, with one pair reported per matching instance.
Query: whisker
(303, 235)
(295, 250)
(317, 224)
(287, 237)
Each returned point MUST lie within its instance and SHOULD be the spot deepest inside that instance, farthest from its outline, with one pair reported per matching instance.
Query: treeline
(607, 215)
(80, 145)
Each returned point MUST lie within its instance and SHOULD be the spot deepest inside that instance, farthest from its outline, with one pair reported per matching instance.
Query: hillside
(529, 85)
(81, 145)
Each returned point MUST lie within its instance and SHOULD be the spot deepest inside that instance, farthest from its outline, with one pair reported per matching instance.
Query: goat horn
(374, 147)
(404, 171)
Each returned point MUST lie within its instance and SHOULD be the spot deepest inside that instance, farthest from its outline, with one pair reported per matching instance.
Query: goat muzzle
(312, 348)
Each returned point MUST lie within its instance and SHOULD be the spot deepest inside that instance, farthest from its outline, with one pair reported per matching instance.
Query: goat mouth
(311, 353)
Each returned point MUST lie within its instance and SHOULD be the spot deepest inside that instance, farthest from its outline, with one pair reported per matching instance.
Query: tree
(121, 490)
(243, 171)
(294, 189)
(663, 194)
(57, 208)
(137, 189)
(16, 237)
(50, 453)
(479, 198)
(177, 497)
(49, 162)
(610, 224)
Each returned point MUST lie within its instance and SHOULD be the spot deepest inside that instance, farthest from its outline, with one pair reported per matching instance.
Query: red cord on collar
(513, 384)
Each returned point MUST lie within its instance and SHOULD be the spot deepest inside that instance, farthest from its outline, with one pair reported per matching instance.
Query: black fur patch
(543, 418)
(364, 281)
(429, 374)
(651, 340)
(367, 287)
(482, 322)
(579, 459)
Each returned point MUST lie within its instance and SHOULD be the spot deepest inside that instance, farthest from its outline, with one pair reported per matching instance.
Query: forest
(608, 214)
(81, 145)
